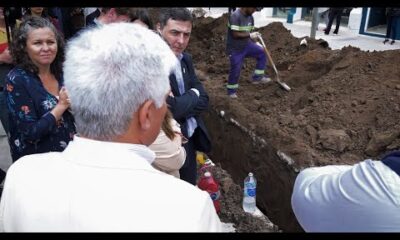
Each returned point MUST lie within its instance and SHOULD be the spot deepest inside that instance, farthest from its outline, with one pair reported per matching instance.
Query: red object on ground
(3, 47)
(207, 183)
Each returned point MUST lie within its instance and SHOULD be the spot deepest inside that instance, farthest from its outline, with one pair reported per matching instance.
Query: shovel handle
(284, 85)
(268, 54)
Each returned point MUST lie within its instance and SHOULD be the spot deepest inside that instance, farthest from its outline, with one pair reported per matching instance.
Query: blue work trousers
(236, 60)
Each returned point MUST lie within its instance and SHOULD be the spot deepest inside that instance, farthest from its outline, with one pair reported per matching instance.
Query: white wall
(267, 12)
(297, 15)
(355, 19)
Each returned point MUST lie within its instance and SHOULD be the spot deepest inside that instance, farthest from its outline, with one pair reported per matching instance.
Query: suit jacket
(90, 18)
(189, 104)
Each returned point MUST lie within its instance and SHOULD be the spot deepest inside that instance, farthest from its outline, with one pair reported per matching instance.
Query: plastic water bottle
(207, 183)
(249, 198)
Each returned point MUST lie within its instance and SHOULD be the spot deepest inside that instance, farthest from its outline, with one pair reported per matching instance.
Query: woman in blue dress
(38, 104)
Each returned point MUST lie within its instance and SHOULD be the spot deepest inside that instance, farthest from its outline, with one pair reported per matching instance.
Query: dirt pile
(344, 105)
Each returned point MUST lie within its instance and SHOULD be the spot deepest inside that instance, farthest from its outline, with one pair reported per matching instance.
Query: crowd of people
(104, 134)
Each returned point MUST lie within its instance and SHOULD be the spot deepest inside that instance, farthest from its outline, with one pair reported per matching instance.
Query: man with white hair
(104, 180)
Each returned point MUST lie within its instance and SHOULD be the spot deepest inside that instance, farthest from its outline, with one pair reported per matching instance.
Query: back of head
(178, 14)
(110, 71)
(142, 15)
(118, 11)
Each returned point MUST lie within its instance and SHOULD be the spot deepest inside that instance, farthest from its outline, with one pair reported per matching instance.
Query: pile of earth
(343, 107)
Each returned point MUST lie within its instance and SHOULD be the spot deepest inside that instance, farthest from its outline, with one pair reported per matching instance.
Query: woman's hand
(63, 98)
(62, 105)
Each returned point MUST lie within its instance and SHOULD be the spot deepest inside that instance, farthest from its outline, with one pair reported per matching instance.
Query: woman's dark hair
(142, 15)
(18, 45)
(28, 12)
(166, 126)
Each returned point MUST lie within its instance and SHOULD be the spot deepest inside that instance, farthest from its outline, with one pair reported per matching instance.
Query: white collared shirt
(98, 186)
(360, 198)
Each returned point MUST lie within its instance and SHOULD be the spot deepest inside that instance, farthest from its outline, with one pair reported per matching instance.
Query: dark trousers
(391, 27)
(236, 61)
(332, 15)
(188, 171)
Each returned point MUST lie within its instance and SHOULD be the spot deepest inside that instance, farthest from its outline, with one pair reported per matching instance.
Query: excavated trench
(240, 151)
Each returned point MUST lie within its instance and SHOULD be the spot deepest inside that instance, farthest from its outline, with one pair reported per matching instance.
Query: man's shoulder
(236, 16)
(27, 164)
(187, 56)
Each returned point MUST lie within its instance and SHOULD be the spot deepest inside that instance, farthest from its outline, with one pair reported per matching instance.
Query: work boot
(262, 79)
(233, 95)
(386, 40)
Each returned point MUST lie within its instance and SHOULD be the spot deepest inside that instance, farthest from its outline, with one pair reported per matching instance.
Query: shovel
(283, 85)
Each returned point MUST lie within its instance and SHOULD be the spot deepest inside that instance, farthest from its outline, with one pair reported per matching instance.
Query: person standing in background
(111, 15)
(334, 13)
(189, 98)
(89, 18)
(170, 154)
(240, 44)
(141, 16)
(37, 102)
(393, 18)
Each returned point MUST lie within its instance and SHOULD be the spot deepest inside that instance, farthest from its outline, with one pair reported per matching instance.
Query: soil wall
(239, 151)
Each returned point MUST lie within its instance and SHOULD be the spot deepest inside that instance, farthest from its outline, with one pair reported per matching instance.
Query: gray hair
(110, 71)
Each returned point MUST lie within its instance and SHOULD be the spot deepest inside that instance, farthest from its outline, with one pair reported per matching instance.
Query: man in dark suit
(188, 97)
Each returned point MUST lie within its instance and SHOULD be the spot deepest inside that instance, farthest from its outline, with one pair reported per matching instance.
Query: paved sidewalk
(301, 29)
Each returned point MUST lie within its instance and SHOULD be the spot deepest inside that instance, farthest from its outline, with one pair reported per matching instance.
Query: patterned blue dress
(33, 129)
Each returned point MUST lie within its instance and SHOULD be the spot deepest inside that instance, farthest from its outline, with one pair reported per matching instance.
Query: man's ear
(145, 113)
(111, 14)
